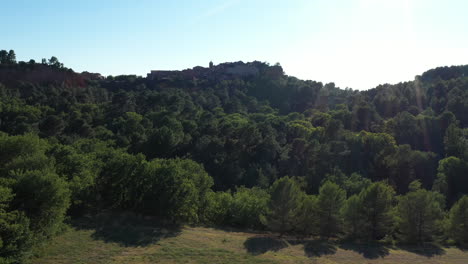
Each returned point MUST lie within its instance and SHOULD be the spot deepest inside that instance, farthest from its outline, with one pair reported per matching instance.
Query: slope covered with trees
(264, 151)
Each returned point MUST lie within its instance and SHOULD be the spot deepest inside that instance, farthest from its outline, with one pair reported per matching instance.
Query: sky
(354, 43)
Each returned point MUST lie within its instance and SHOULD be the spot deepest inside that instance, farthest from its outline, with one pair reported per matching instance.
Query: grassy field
(144, 244)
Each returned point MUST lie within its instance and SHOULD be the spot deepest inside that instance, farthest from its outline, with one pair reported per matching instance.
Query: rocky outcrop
(223, 71)
(39, 74)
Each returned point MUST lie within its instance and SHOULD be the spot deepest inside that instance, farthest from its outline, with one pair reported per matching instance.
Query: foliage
(15, 235)
(458, 221)
(206, 146)
(306, 217)
(33, 198)
(174, 189)
(330, 200)
(285, 197)
(420, 213)
(377, 204)
(370, 214)
(217, 208)
(451, 180)
(352, 216)
(247, 207)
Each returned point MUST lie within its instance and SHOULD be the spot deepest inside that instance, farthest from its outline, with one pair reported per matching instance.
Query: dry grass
(207, 245)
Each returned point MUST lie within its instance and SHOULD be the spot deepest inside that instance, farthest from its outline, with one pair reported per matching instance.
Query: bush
(247, 206)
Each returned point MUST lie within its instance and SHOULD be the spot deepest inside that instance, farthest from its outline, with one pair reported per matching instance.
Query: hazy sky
(354, 43)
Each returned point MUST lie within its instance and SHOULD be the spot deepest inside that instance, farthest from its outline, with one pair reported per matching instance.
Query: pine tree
(284, 201)
(377, 211)
(11, 57)
(458, 221)
(307, 216)
(330, 200)
(352, 216)
(420, 213)
(3, 57)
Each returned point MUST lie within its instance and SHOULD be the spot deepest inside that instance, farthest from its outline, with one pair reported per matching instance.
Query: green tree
(368, 152)
(44, 198)
(130, 129)
(52, 125)
(175, 189)
(454, 141)
(217, 208)
(54, 62)
(352, 213)
(458, 221)
(377, 211)
(330, 200)
(33, 198)
(118, 180)
(306, 217)
(247, 207)
(419, 213)
(165, 139)
(400, 168)
(285, 197)
(80, 170)
(352, 184)
(15, 236)
(3, 57)
(11, 57)
(451, 180)
(363, 117)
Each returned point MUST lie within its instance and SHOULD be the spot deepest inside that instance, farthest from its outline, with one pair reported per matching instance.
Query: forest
(259, 152)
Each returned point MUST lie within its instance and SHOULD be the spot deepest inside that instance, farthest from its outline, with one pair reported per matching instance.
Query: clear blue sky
(354, 43)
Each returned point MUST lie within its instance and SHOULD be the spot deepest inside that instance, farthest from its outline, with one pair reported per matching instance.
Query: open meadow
(144, 244)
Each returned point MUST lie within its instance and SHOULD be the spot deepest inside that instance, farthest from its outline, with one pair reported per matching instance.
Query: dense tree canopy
(258, 150)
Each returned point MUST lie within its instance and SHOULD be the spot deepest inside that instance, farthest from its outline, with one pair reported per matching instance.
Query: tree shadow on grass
(318, 248)
(129, 235)
(262, 244)
(127, 231)
(426, 249)
(369, 251)
(463, 247)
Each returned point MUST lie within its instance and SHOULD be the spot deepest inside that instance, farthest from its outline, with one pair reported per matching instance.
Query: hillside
(131, 245)
(240, 145)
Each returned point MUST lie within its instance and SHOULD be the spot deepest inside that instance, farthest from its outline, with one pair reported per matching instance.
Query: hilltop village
(223, 71)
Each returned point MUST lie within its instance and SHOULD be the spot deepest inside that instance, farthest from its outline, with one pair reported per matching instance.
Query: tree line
(266, 152)
(43, 182)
